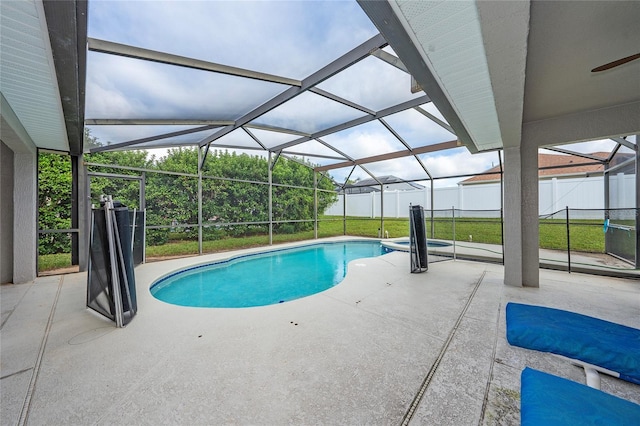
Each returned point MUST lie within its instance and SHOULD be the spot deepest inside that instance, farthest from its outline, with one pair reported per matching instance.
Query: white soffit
(27, 73)
(449, 38)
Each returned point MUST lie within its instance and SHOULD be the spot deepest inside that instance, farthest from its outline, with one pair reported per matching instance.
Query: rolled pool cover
(602, 343)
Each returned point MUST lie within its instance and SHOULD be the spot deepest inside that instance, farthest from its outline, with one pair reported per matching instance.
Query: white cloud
(288, 38)
(291, 38)
(372, 83)
(459, 162)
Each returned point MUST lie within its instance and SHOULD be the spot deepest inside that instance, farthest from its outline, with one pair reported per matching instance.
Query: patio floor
(356, 353)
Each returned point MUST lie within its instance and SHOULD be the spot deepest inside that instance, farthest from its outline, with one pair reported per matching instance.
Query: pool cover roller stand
(603, 344)
(111, 288)
(417, 240)
(554, 401)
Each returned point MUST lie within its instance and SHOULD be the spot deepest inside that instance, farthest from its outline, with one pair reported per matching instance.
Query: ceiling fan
(616, 63)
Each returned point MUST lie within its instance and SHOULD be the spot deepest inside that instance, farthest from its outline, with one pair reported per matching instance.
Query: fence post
(344, 212)
(315, 204)
(637, 197)
(200, 230)
(433, 228)
(270, 213)
(143, 207)
(381, 211)
(502, 231)
(453, 237)
(568, 241)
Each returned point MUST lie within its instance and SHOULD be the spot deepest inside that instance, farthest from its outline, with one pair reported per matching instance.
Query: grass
(585, 235)
(48, 262)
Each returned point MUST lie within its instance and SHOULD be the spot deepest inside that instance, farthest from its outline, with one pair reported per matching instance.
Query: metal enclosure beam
(103, 46)
(358, 121)
(398, 154)
(390, 59)
(577, 154)
(398, 137)
(275, 129)
(626, 143)
(435, 119)
(254, 137)
(384, 18)
(154, 122)
(75, 208)
(340, 100)
(637, 204)
(151, 138)
(318, 77)
(67, 24)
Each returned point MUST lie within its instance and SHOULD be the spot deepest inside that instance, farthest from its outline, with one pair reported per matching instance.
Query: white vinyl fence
(554, 194)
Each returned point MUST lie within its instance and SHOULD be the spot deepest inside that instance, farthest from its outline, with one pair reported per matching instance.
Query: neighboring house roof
(371, 185)
(551, 165)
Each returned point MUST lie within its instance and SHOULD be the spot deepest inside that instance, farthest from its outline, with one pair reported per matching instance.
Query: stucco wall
(6, 214)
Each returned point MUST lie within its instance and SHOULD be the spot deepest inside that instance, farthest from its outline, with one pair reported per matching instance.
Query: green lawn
(48, 262)
(585, 235)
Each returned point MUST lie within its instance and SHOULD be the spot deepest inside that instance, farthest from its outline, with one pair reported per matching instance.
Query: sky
(287, 38)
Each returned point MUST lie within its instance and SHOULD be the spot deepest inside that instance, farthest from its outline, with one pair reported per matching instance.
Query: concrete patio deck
(357, 353)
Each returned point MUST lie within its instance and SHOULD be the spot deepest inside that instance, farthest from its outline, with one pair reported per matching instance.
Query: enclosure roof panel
(309, 113)
(120, 87)
(309, 80)
(281, 38)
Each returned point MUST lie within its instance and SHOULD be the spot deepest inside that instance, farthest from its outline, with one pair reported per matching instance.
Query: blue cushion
(605, 344)
(553, 401)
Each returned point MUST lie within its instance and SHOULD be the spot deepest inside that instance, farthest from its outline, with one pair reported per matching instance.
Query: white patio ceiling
(42, 78)
(28, 77)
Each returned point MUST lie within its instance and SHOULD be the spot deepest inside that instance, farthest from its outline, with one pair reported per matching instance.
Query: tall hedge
(173, 199)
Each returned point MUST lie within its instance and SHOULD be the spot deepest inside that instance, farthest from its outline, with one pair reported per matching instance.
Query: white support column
(25, 208)
(521, 237)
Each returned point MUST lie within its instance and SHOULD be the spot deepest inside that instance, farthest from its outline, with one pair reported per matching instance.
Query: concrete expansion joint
(26, 406)
(432, 371)
(485, 400)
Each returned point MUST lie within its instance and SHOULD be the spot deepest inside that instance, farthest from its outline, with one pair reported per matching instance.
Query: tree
(54, 201)
(124, 190)
(228, 200)
(295, 203)
(234, 190)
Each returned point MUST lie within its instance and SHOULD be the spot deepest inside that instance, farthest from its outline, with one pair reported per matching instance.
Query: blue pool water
(264, 279)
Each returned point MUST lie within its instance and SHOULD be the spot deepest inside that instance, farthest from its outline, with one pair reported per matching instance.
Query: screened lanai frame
(259, 127)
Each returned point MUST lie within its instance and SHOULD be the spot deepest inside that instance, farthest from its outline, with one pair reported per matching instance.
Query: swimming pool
(263, 279)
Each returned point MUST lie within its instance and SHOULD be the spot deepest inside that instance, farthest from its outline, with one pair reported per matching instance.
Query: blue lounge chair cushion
(553, 401)
(602, 343)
